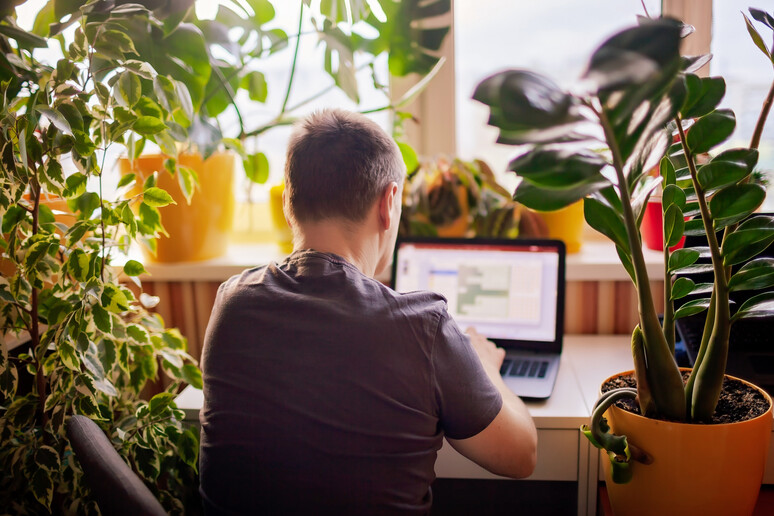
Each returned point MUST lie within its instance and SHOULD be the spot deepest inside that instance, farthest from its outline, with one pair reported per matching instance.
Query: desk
(563, 453)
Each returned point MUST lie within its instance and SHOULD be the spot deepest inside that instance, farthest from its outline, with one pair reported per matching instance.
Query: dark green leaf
(694, 227)
(711, 130)
(604, 219)
(673, 225)
(558, 168)
(138, 333)
(682, 287)
(735, 202)
(147, 461)
(673, 195)
(704, 94)
(42, 487)
(12, 217)
(761, 305)
(756, 37)
(543, 199)
(717, 174)
(188, 447)
(751, 238)
(755, 275)
(682, 258)
(86, 204)
(692, 307)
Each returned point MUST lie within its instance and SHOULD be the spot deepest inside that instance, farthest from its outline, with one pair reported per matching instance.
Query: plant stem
(664, 377)
(295, 59)
(668, 326)
(40, 378)
(756, 137)
(709, 374)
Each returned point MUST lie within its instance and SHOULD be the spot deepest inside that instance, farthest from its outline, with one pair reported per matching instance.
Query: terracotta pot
(198, 231)
(697, 469)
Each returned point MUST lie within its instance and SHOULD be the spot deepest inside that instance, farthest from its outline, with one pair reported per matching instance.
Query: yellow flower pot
(198, 231)
(282, 232)
(707, 470)
(566, 225)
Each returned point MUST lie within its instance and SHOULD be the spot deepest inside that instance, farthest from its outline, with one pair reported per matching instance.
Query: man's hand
(490, 355)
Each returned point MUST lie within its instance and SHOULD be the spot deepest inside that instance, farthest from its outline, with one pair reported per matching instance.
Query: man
(326, 392)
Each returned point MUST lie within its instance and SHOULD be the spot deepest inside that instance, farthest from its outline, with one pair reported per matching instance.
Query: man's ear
(387, 206)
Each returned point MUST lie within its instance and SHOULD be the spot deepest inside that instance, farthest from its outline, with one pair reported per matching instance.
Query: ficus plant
(628, 115)
(88, 343)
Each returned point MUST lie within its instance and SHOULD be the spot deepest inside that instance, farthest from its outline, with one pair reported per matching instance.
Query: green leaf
(682, 258)
(674, 224)
(558, 168)
(78, 265)
(157, 198)
(735, 202)
(12, 217)
(257, 167)
(717, 174)
(107, 352)
(604, 219)
(761, 305)
(672, 195)
(682, 287)
(756, 37)
(86, 204)
(410, 159)
(754, 275)
(692, 308)
(134, 268)
(47, 459)
(255, 84)
(114, 299)
(160, 402)
(126, 179)
(102, 318)
(187, 178)
(667, 171)
(138, 333)
(42, 487)
(76, 185)
(741, 156)
(750, 239)
(147, 461)
(544, 199)
(165, 92)
(148, 125)
(127, 89)
(711, 130)
(188, 447)
(114, 44)
(192, 375)
(56, 119)
(704, 94)
(68, 356)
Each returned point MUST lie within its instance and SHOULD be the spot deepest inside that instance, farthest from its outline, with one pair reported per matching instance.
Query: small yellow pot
(282, 232)
(707, 470)
(198, 231)
(566, 225)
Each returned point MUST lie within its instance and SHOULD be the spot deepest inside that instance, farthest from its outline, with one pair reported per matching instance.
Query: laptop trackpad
(530, 376)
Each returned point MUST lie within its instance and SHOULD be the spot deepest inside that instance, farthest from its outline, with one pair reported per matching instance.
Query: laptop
(509, 290)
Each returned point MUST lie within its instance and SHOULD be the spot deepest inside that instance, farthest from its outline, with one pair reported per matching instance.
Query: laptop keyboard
(524, 367)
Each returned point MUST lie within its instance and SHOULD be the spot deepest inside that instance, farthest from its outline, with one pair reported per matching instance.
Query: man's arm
(508, 446)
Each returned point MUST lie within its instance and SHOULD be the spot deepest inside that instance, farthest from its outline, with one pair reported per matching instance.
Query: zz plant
(89, 344)
(636, 93)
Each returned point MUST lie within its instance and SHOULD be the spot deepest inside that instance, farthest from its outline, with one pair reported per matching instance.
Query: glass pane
(551, 37)
(748, 75)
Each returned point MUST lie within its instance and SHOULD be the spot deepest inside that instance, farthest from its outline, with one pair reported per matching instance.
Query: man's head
(338, 165)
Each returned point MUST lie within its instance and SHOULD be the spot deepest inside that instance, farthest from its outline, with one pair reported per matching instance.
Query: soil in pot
(738, 401)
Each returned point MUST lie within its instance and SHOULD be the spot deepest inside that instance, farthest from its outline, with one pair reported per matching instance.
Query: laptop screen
(509, 290)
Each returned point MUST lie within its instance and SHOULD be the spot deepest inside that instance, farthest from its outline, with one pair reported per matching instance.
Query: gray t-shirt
(327, 392)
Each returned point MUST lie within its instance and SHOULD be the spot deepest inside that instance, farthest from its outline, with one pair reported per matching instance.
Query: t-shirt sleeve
(467, 399)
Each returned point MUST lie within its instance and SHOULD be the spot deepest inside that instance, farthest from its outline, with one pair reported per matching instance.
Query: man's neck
(350, 241)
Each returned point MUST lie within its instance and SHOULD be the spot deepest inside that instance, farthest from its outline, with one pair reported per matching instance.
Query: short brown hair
(338, 163)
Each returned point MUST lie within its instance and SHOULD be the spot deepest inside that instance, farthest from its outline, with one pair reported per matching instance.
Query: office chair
(116, 488)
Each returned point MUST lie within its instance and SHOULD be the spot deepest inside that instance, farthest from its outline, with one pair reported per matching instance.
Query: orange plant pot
(198, 231)
(711, 470)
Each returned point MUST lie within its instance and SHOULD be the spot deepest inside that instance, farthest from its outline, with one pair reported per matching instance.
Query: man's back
(327, 392)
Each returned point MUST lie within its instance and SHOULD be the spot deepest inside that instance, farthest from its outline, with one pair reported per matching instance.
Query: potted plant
(636, 91)
(447, 197)
(229, 53)
(87, 343)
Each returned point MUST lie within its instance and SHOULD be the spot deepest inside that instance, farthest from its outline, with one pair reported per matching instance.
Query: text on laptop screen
(505, 292)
